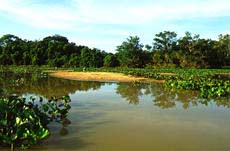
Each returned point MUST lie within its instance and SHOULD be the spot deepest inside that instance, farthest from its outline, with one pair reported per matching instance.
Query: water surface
(128, 116)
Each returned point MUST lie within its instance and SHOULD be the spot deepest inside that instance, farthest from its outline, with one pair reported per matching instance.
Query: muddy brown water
(128, 117)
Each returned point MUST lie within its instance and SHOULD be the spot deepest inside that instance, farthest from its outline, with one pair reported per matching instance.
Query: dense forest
(166, 50)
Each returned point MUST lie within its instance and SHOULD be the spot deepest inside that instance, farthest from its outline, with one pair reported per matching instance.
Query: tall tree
(224, 48)
(110, 60)
(130, 52)
(188, 42)
(85, 57)
(12, 49)
(165, 41)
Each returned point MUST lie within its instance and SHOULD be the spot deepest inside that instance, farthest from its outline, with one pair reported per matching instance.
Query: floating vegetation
(23, 122)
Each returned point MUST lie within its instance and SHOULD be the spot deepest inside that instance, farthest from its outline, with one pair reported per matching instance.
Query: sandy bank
(99, 76)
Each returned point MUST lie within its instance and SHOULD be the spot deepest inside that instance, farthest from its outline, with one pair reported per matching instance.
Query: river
(107, 116)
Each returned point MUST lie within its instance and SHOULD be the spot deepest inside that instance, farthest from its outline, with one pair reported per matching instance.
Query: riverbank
(99, 76)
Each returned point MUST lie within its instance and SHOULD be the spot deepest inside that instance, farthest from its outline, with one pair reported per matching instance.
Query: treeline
(166, 50)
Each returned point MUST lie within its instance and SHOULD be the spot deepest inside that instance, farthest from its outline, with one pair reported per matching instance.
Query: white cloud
(117, 32)
(90, 12)
(89, 17)
(38, 16)
(180, 10)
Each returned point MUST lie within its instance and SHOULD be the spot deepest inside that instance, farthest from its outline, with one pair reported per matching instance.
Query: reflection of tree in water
(187, 99)
(44, 86)
(132, 91)
(50, 86)
(163, 99)
(170, 99)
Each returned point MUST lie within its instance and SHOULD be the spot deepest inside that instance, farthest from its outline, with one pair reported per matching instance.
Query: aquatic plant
(23, 122)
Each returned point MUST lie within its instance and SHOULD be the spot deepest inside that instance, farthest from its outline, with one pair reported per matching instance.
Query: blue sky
(104, 24)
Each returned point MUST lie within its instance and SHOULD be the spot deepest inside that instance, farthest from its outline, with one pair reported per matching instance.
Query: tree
(165, 41)
(26, 58)
(56, 38)
(189, 51)
(157, 59)
(7, 39)
(148, 47)
(224, 48)
(74, 60)
(85, 57)
(12, 48)
(97, 57)
(130, 52)
(188, 42)
(110, 60)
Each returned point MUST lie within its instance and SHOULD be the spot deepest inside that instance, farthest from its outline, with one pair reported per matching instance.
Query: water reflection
(132, 92)
(101, 113)
(43, 86)
(163, 99)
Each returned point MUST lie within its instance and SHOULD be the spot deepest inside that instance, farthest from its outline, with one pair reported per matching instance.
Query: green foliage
(205, 83)
(91, 58)
(130, 53)
(190, 51)
(110, 60)
(209, 82)
(165, 41)
(24, 122)
(20, 69)
(55, 51)
(167, 51)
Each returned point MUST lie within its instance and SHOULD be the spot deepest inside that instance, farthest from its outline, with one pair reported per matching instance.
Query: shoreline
(99, 76)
